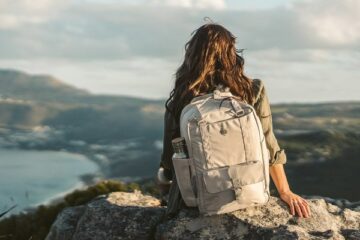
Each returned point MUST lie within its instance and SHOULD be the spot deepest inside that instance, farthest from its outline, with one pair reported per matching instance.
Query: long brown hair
(210, 58)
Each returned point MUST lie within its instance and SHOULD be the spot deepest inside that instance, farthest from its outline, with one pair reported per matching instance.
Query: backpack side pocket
(183, 177)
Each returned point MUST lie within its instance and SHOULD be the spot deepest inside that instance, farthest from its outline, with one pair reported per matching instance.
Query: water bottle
(181, 157)
(180, 150)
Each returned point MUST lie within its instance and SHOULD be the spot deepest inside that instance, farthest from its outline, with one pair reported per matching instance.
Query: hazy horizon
(164, 98)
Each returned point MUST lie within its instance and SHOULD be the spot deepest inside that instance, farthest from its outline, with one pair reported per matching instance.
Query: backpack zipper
(234, 117)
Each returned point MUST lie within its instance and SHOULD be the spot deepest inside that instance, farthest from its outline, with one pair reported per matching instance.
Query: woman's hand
(296, 203)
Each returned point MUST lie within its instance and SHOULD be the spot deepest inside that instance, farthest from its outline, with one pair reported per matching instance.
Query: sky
(303, 50)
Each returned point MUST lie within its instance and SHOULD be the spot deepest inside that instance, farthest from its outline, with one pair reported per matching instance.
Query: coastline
(57, 198)
(83, 180)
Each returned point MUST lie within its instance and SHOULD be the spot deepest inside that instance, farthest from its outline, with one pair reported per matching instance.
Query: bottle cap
(179, 144)
(178, 140)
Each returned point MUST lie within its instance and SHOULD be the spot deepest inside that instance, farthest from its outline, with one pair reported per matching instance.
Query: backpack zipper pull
(223, 131)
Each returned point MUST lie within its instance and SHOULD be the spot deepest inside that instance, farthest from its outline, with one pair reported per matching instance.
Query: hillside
(40, 88)
(19, 85)
(30, 100)
(124, 134)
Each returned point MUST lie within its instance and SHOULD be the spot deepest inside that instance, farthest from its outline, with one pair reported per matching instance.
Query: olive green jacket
(172, 130)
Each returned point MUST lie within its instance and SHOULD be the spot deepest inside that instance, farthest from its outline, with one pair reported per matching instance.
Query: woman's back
(211, 58)
(171, 131)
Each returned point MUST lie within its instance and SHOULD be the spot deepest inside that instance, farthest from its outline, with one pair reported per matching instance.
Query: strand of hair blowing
(210, 58)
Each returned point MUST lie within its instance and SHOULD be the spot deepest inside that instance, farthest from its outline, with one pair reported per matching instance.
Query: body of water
(28, 177)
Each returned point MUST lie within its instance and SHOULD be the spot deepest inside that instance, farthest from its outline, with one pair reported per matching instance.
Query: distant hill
(320, 139)
(21, 85)
(29, 100)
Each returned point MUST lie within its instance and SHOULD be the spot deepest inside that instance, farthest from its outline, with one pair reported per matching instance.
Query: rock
(118, 215)
(65, 224)
(272, 221)
(121, 215)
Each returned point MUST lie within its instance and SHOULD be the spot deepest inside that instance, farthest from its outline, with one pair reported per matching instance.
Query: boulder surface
(122, 215)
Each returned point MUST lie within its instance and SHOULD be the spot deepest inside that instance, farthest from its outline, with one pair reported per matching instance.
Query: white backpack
(228, 164)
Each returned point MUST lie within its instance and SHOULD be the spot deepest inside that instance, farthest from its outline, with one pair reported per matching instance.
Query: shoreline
(83, 180)
(57, 198)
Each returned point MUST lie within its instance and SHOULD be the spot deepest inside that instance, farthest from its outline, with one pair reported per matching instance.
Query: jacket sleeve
(262, 107)
(167, 152)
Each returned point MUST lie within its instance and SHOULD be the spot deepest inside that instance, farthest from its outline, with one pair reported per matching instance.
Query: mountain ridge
(20, 84)
(9, 75)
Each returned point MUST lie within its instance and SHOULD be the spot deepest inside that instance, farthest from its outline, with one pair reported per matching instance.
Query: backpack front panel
(227, 156)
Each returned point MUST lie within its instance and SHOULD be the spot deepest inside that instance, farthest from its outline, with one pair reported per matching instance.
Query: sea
(31, 177)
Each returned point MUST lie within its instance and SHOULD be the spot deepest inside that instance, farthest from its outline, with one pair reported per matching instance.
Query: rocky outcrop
(121, 215)
(118, 215)
(272, 221)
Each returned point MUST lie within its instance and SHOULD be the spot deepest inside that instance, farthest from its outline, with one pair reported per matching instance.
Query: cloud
(200, 4)
(17, 13)
(294, 76)
(309, 75)
(120, 31)
(99, 45)
(335, 22)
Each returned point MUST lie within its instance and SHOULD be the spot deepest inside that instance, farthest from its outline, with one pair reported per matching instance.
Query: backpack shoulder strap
(258, 86)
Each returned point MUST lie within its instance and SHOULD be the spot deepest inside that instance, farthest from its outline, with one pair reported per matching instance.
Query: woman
(210, 59)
